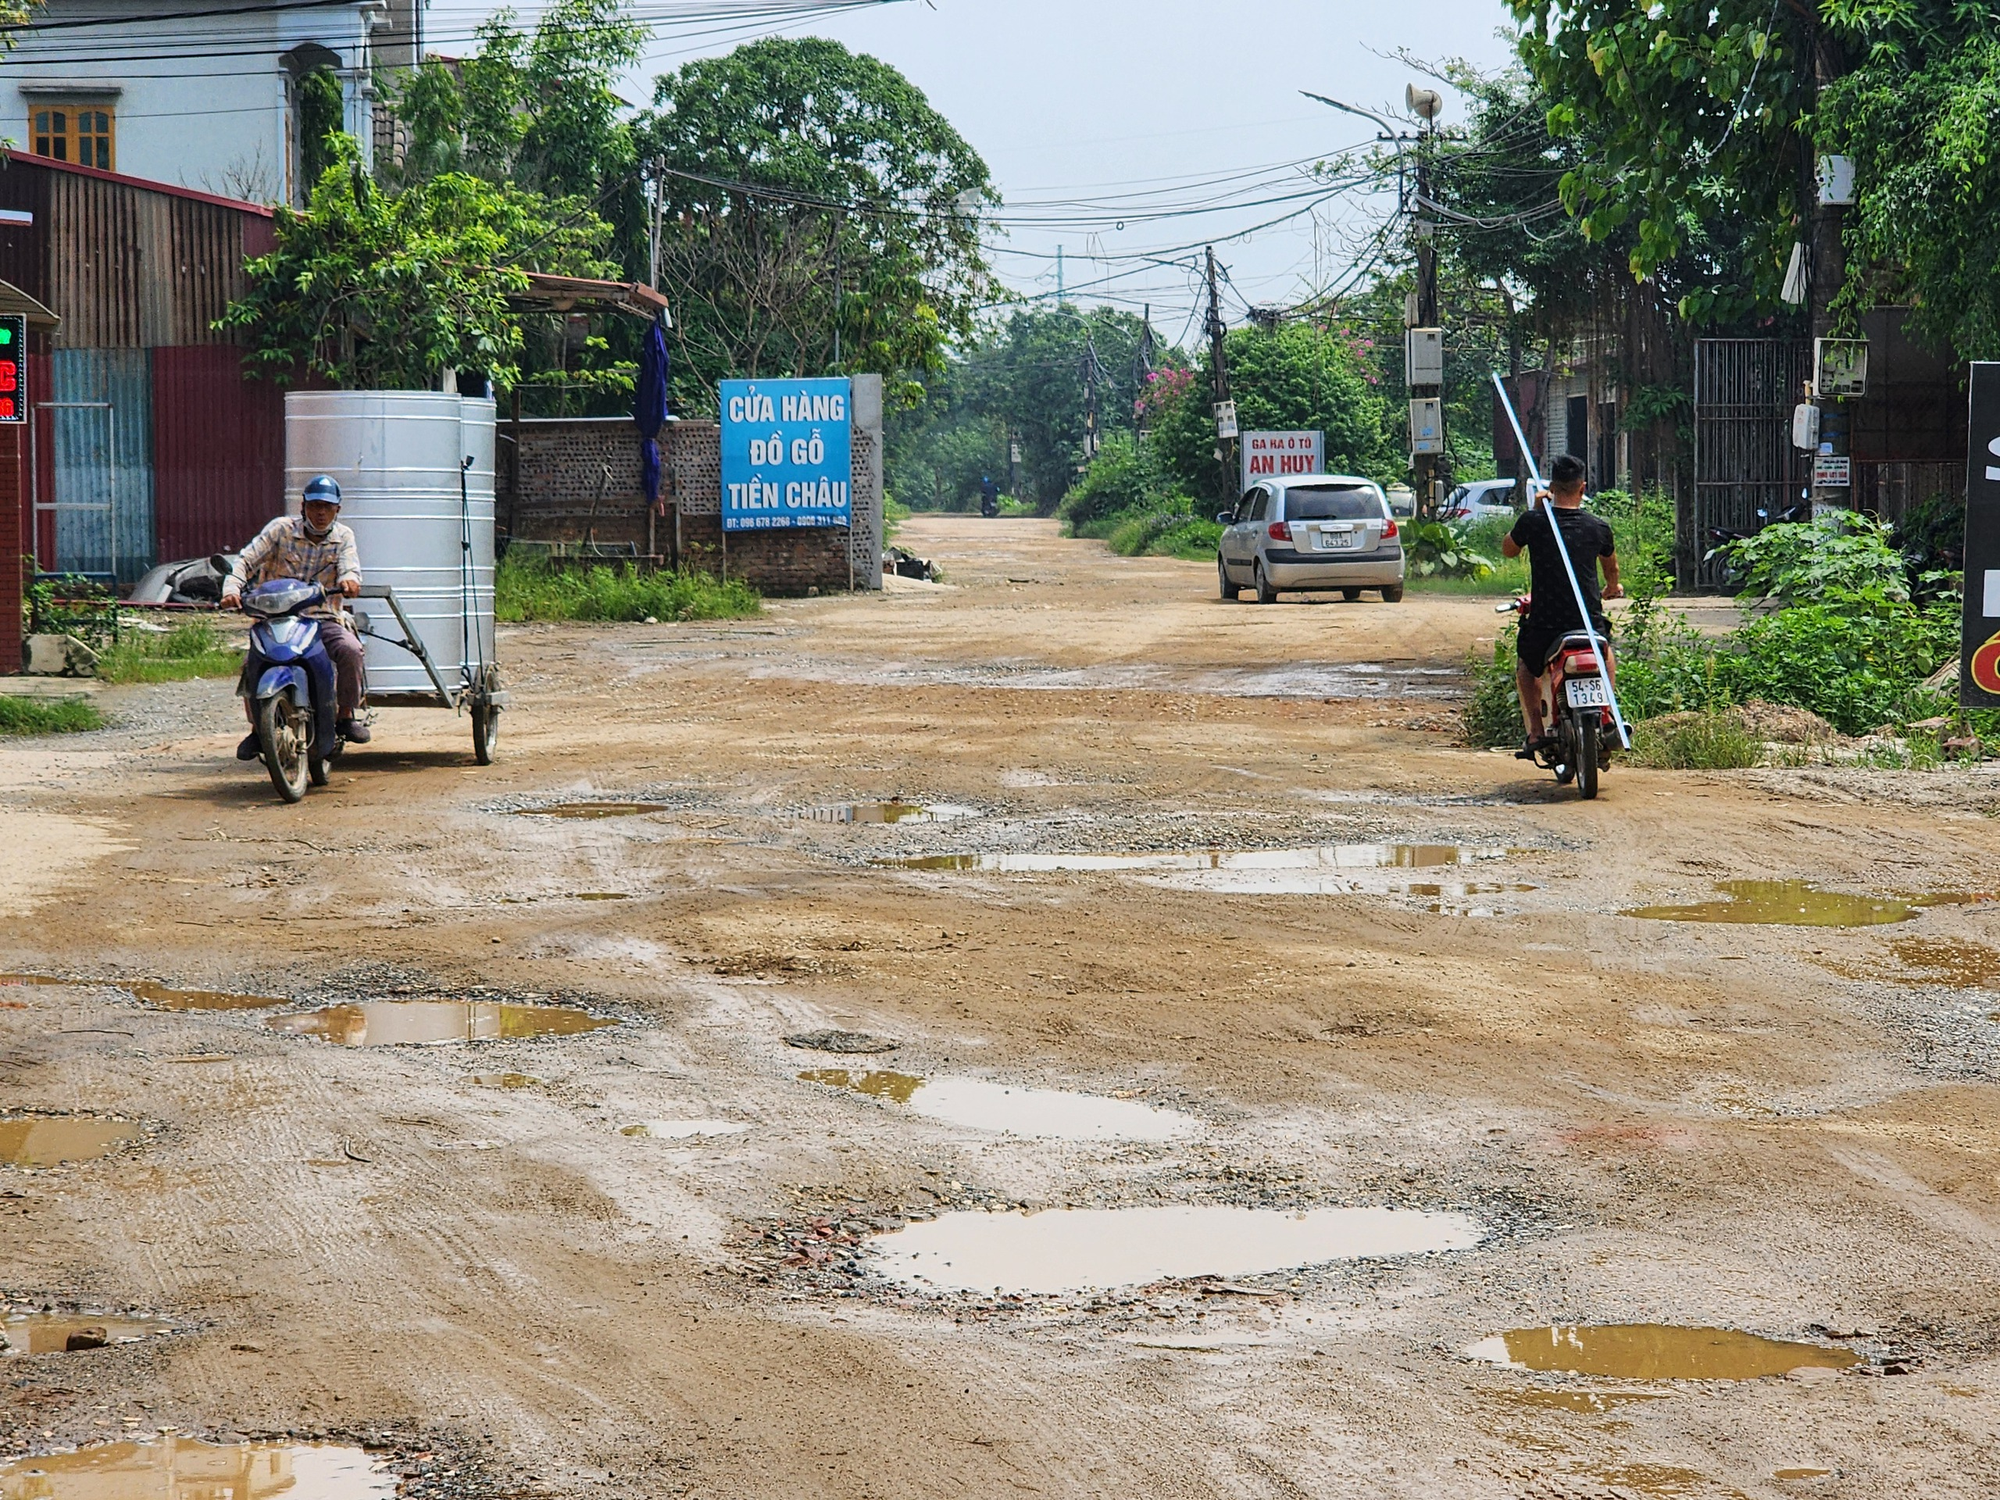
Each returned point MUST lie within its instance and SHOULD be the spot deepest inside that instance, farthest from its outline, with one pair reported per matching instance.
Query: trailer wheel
(485, 732)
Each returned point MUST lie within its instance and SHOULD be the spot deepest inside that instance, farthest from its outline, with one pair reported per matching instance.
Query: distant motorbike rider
(989, 496)
(315, 548)
(1587, 538)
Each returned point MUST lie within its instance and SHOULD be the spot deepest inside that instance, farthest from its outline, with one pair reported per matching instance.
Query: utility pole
(1091, 375)
(1833, 189)
(1225, 409)
(1423, 364)
(1059, 276)
(653, 257)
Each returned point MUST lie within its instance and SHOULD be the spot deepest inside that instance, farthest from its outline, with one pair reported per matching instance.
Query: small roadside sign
(1979, 649)
(1272, 455)
(1832, 471)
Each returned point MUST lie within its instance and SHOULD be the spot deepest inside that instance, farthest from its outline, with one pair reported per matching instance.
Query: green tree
(1295, 376)
(810, 189)
(378, 291)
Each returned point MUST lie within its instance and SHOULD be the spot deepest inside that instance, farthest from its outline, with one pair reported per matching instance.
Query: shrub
(1492, 714)
(49, 716)
(536, 590)
(1442, 549)
(1840, 556)
(1166, 533)
(1122, 481)
(1695, 742)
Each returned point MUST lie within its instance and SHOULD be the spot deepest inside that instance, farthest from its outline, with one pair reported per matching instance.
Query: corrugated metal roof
(29, 159)
(14, 300)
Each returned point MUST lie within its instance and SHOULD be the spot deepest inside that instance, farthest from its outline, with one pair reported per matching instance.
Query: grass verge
(49, 716)
(540, 591)
(191, 648)
(1695, 742)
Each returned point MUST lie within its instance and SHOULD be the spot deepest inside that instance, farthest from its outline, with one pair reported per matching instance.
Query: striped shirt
(283, 550)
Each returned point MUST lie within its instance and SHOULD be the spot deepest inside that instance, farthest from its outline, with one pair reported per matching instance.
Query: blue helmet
(323, 488)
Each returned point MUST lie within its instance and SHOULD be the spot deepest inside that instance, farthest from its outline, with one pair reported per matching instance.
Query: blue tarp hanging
(649, 411)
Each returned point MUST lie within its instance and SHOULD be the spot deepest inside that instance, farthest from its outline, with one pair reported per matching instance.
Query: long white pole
(1569, 568)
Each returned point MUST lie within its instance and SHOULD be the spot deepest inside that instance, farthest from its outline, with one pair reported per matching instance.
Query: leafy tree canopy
(800, 175)
(380, 292)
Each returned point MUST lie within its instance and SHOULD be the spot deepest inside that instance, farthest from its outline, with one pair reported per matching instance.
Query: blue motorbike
(288, 679)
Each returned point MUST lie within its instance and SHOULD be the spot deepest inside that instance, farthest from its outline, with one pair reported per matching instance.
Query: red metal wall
(11, 566)
(218, 451)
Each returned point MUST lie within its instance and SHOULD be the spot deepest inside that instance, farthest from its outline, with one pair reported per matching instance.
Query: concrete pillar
(866, 537)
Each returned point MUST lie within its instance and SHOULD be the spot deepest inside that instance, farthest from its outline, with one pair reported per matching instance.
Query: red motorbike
(1576, 708)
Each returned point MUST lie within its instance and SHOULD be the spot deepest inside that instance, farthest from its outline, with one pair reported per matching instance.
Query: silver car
(1310, 532)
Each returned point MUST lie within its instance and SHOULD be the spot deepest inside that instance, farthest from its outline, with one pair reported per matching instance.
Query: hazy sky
(1188, 101)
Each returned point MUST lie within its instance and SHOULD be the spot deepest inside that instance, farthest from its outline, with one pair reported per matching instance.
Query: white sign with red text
(1273, 455)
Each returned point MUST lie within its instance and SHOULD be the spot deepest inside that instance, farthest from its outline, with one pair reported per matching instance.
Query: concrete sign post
(1271, 455)
(1979, 655)
(787, 454)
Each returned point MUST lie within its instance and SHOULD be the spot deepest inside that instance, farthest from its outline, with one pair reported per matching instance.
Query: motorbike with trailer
(1576, 707)
(288, 680)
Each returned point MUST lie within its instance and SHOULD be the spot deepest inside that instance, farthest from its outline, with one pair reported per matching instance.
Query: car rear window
(1326, 503)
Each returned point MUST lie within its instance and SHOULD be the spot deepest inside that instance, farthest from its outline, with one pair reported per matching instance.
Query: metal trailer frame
(478, 691)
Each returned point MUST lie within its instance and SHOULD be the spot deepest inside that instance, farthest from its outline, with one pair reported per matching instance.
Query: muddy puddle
(504, 1080)
(1946, 961)
(1324, 869)
(1066, 1250)
(1655, 1351)
(68, 1333)
(886, 812)
(1787, 903)
(51, 1140)
(593, 810)
(404, 1023)
(1800, 1473)
(682, 1130)
(176, 1468)
(166, 997)
(1007, 1109)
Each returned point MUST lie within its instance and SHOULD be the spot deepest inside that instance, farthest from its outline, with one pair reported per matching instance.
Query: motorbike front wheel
(1587, 755)
(285, 736)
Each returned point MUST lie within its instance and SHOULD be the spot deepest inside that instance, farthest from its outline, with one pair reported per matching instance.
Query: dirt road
(651, 1259)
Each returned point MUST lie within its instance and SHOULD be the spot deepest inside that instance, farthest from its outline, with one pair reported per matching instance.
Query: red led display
(13, 368)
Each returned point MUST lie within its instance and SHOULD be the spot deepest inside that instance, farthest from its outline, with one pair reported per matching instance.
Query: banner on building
(1979, 654)
(1272, 455)
(787, 454)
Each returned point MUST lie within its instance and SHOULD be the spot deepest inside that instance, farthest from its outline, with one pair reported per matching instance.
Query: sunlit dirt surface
(648, 1259)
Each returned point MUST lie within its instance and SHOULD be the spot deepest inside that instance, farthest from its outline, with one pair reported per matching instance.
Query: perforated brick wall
(579, 482)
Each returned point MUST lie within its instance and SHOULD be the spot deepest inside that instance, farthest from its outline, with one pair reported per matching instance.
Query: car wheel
(1262, 583)
(1350, 595)
(1393, 595)
(1230, 591)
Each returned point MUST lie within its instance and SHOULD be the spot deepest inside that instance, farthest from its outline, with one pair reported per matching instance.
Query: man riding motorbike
(314, 547)
(1553, 615)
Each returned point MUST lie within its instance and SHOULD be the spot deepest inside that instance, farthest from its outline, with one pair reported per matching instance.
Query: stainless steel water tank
(396, 455)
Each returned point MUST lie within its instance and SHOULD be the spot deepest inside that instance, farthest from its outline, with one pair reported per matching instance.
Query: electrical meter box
(1426, 425)
(1423, 356)
(1805, 427)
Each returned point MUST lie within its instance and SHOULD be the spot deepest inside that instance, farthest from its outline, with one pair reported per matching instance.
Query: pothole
(846, 1042)
(594, 810)
(166, 997)
(1797, 903)
(1800, 1473)
(1655, 1351)
(51, 1140)
(1076, 1249)
(504, 1080)
(178, 1466)
(682, 1130)
(70, 1333)
(1310, 869)
(1947, 961)
(403, 1023)
(894, 811)
(979, 1104)
(602, 896)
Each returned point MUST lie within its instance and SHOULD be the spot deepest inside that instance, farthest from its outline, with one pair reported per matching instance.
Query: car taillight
(1281, 531)
(1389, 531)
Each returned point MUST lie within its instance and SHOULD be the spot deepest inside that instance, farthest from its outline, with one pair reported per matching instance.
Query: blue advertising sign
(786, 454)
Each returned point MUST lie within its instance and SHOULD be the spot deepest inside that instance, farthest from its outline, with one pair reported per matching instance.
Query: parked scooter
(1719, 537)
(1576, 707)
(288, 679)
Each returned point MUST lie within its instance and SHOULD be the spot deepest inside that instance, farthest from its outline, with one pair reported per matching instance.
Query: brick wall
(579, 482)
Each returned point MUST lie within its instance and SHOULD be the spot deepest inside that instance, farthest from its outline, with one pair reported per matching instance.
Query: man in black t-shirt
(1553, 614)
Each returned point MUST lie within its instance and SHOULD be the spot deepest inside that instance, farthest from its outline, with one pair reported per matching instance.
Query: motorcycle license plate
(1329, 540)
(1587, 692)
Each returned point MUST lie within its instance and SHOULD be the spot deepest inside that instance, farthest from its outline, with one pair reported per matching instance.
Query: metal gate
(80, 534)
(1744, 462)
